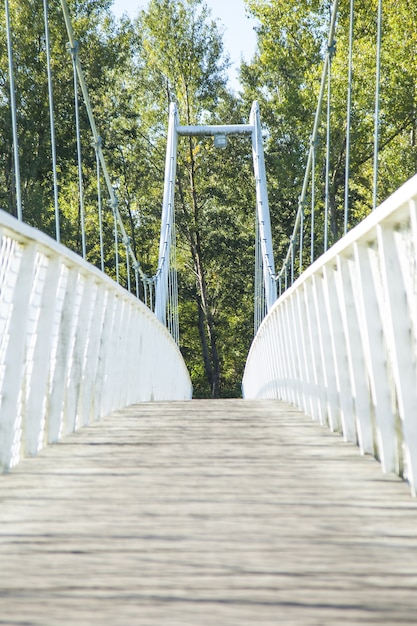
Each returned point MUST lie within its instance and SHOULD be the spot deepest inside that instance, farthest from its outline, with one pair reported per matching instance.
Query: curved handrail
(74, 345)
(341, 342)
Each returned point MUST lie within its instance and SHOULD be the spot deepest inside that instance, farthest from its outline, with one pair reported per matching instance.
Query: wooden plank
(205, 513)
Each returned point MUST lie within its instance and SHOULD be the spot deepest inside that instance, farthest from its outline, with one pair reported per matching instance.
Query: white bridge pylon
(219, 132)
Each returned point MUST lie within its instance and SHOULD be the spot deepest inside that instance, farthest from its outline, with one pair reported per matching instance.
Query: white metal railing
(74, 345)
(341, 343)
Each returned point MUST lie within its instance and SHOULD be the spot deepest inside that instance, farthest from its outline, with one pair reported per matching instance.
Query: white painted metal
(42, 312)
(358, 387)
(13, 109)
(161, 287)
(343, 397)
(213, 130)
(374, 346)
(74, 345)
(262, 207)
(220, 132)
(354, 357)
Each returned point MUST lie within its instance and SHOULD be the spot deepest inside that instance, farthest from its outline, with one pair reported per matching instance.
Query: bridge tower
(265, 283)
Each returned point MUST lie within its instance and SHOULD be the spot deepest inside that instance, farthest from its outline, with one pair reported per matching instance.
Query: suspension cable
(99, 202)
(330, 43)
(52, 122)
(14, 115)
(145, 290)
(135, 269)
(349, 117)
(74, 55)
(127, 246)
(116, 239)
(377, 104)
(313, 198)
(292, 259)
(101, 168)
(328, 121)
(152, 294)
(87, 102)
(259, 295)
(301, 238)
(174, 279)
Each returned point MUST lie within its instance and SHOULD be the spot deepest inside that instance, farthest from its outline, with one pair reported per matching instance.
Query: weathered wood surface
(206, 513)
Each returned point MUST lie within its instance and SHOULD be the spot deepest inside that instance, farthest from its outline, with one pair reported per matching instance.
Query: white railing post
(44, 292)
(356, 362)
(16, 293)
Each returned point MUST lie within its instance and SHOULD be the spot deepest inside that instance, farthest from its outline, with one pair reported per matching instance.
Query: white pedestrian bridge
(340, 344)
(172, 511)
(125, 502)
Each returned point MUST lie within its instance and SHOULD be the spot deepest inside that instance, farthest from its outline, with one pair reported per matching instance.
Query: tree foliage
(285, 77)
(173, 52)
(184, 62)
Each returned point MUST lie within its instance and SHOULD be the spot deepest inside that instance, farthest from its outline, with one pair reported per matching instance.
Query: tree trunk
(212, 365)
(213, 374)
(203, 340)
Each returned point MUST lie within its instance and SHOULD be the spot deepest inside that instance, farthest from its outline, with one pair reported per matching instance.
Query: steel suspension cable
(74, 56)
(127, 246)
(148, 282)
(99, 202)
(301, 238)
(145, 286)
(259, 309)
(328, 120)
(292, 259)
(52, 121)
(116, 240)
(255, 295)
(151, 295)
(87, 102)
(377, 104)
(348, 117)
(313, 198)
(14, 115)
(174, 305)
(330, 44)
(136, 281)
(172, 302)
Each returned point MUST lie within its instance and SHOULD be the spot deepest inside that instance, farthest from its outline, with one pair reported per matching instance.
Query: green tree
(97, 36)
(182, 60)
(172, 52)
(285, 77)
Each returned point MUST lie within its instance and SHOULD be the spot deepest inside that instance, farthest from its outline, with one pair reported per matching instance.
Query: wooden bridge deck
(206, 513)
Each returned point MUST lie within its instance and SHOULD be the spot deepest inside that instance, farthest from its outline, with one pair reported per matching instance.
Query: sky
(239, 34)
